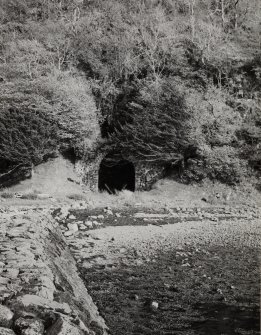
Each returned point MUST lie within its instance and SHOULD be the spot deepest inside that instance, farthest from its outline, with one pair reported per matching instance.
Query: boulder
(11, 273)
(6, 331)
(64, 212)
(32, 303)
(4, 280)
(6, 316)
(88, 224)
(72, 227)
(68, 233)
(43, 196)
(29, 326)
(64, 327)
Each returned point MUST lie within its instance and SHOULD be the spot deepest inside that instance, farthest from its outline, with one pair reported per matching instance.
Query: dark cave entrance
(70, 155)
(116, 175)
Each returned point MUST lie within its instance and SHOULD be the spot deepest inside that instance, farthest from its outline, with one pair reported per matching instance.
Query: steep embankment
(40, 289)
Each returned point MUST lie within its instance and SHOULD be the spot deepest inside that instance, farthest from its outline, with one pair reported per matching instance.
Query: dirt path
(185, 271)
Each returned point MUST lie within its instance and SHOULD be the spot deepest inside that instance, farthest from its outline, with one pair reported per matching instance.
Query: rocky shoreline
(40, 289)
(44, 248)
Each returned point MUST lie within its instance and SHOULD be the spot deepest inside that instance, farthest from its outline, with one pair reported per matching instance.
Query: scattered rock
(118, 215)
(219, 291)
(64, 213)
(100, 216)
(154, 305)
(88, 224)
(71, 217)
(186, 265)
(6, 316)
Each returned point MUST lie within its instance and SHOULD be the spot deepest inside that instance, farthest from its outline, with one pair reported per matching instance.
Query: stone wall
(40, 289)
(89, 171)
(145, 174)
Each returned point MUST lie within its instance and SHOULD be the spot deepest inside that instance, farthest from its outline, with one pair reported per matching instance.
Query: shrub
(26, 136)
(219, 163)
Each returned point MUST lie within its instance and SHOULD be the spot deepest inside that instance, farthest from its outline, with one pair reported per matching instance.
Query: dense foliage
(26, 136)
(173, 80)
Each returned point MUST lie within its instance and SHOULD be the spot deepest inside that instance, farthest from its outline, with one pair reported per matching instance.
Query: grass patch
(76, 196)
(7, 195)
(29, 196)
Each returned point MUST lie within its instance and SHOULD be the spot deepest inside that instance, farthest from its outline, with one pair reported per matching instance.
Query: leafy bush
(221, 164)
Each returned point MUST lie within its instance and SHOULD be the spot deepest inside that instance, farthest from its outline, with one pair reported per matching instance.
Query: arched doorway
(116, 175)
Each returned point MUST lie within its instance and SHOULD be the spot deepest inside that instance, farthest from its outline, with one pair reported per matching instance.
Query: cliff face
(39, 283)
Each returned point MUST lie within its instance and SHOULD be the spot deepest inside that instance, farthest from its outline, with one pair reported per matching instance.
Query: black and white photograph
(130, 167)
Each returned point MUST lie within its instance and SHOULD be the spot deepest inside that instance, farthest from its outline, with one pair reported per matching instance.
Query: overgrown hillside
(173, 82)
